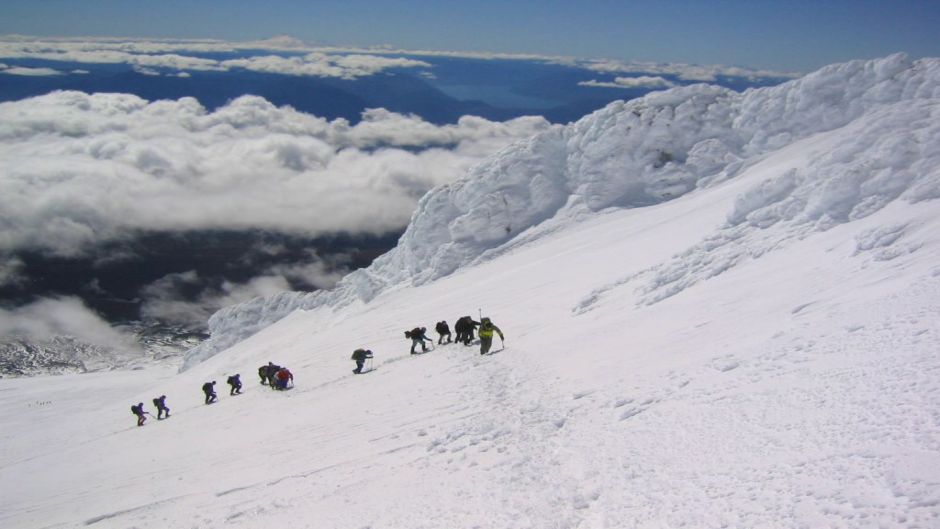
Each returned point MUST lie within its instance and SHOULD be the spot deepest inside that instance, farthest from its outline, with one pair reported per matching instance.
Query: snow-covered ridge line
(640, 153)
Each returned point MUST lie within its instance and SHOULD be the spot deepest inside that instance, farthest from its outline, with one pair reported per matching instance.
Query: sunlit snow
(720, 309)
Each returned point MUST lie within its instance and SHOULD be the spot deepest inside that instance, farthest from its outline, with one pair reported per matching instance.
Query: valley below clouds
(89, 174)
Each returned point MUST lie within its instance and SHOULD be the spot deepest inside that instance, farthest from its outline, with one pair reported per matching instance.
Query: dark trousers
(466, 337)
(485, 343)
(416, 341)
(210, 397)
(161, 411)
(359, 364)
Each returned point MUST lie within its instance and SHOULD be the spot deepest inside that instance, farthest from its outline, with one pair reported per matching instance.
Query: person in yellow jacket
(487, 328)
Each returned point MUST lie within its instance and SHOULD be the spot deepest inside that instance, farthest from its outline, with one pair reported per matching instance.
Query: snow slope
(652, 150)
(759, 351)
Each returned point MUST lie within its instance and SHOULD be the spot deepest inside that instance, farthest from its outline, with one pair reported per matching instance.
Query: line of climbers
(280, 378)
(277, 377)
(464, 328)
(159, 403)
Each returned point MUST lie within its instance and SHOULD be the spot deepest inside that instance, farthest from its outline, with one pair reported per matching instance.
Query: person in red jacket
(282, 378)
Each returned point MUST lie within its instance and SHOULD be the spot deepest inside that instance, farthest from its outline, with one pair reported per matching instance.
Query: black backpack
(408, 335)
(135, 410)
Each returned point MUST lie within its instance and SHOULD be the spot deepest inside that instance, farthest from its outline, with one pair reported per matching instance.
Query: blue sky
(792, 35)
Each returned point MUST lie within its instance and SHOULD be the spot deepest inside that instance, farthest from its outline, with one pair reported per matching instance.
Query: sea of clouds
(288, 56)
(88, 169)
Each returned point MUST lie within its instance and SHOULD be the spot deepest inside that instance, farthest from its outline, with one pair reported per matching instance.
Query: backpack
(408, 334)
(134, 410)
(156, 402)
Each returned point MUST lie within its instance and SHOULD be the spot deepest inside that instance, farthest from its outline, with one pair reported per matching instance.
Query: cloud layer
(643, 81)
(684, 72)
(29, 72)
(147, 56)
(66, 316)
(170, 299)
(83, 169)
(288, 56)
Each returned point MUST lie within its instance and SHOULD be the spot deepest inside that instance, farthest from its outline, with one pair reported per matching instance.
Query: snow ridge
(879, 118)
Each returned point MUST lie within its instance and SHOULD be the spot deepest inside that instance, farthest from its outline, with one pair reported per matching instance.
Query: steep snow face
(798, 389)
(875, 123)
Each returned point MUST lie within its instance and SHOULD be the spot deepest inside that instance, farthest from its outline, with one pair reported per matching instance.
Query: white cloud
(164, 300)
(632, 82)
(62, 317)
(283, 42)
(322, 65)
(327, 61)
(684, 72)
(11, 271)
(480, 55)
(83, 169)
(146, 71)
(82, 52)
(31, 72)
(146, 56)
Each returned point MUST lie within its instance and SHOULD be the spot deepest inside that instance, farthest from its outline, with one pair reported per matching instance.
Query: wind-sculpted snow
(875, 122)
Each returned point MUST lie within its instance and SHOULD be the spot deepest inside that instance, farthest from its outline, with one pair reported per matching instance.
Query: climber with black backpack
(209, 389)
(464, 328)
(417, 337)
(235, 382)
(360, 356)
(160, 404)
(138, 410)
(442, 330)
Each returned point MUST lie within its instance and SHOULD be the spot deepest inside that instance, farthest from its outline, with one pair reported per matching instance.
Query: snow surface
(757, 351)
(651, 150)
